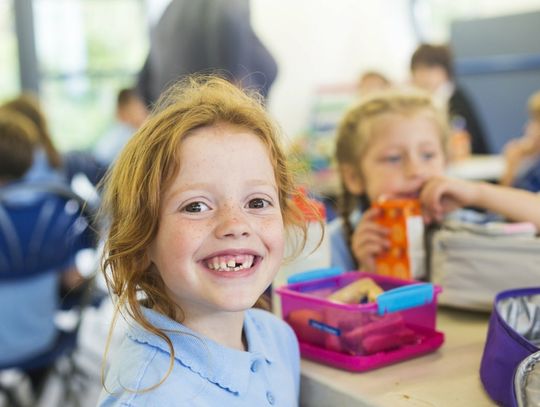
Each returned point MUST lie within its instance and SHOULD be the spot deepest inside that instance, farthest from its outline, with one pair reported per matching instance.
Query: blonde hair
(355, 133)
(146, 167)
(534, 105)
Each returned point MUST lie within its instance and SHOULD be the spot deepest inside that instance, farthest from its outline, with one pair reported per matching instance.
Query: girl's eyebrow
(429, 143)
(262, 182)
(206, 186)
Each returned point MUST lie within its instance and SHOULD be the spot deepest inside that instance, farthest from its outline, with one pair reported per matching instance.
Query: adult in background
(206, 36)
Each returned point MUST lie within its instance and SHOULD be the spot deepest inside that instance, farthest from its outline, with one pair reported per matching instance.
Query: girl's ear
(352, 179)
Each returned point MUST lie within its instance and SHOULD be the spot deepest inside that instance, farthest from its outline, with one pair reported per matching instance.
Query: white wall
(321, 42)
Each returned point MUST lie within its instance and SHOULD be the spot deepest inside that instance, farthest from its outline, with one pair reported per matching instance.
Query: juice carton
(406, 256)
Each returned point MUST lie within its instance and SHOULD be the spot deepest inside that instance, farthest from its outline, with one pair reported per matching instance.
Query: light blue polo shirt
(204, 372)
(27, 313)
(340, 252)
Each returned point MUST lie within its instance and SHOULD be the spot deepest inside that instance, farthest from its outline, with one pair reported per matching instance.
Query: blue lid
(315, 274)
(405, 297)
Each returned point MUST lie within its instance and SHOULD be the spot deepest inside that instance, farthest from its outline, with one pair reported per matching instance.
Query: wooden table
(446, 378)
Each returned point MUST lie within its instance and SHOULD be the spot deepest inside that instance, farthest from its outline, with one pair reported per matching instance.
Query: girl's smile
(231, 262)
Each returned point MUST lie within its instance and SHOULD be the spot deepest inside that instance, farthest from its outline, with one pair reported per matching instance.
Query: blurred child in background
(198, 203)
(372, 81)
(131, 112)
(33, 236)
(522, 155)
(47, 163)
(18, 137)
(432, 70)
(392, 145)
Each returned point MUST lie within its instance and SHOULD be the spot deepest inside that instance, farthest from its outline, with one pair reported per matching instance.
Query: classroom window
(9, 78)
(86, 51)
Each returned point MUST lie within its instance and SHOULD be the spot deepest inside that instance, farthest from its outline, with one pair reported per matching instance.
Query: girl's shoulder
(272, 337)
(144, 373)
(265, 320)
(335, 227)
(268, 326)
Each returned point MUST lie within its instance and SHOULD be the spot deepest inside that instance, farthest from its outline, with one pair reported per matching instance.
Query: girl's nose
(232, 223)
(415, 167)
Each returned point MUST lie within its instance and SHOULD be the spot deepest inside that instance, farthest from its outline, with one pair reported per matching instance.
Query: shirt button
(255, 366)
(270, 397)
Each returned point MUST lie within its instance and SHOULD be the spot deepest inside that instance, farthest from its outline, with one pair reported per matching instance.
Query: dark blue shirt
(530, 179)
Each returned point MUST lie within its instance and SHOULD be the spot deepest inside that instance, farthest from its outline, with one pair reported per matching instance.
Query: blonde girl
(198, 203)
(387, 146)
(392, 145)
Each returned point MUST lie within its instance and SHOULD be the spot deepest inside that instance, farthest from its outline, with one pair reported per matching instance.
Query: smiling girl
(198, 204)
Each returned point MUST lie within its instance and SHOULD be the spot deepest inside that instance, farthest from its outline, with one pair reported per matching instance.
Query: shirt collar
(225, 367)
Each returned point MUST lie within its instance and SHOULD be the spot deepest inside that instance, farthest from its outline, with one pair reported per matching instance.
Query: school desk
(448, 377)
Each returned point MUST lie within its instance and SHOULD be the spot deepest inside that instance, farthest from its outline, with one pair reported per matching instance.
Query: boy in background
(432, 70)
(130, 114)
(372, 81)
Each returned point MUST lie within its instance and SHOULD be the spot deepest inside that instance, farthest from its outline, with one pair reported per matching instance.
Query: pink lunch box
(359, 337)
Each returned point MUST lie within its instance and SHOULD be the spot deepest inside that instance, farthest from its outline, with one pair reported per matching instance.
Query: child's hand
(441, 195)
(517, 150)
(369, 240)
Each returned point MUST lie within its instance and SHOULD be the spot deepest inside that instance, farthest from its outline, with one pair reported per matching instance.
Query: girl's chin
(238, 301)
(238, 305)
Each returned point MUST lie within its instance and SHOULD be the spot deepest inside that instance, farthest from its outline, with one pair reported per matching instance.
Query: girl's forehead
(206, 133)
(394, 122)
(218, 128)
(214, 146)
(405, 116)
(402, 128)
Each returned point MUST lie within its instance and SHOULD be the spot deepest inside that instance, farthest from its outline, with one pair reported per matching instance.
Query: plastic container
(312, 257)
(358, 337)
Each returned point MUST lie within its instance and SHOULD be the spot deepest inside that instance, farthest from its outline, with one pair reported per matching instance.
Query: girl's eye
(195, 207)
(392, 159)
(428, 155)
(258, 203)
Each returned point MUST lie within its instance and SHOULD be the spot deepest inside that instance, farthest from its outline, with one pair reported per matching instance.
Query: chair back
(42, 227)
